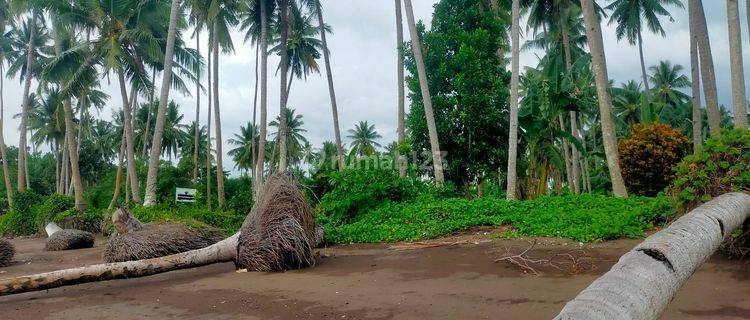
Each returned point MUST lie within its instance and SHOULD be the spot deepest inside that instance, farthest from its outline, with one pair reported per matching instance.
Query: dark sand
(459, 281)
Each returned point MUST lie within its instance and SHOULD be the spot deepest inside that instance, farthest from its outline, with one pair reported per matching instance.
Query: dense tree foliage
(468, 84)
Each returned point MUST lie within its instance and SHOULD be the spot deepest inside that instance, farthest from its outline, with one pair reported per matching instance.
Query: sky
(363, 57)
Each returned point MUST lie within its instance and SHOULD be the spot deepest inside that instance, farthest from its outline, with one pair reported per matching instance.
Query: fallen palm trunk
(646, 279)
(7, 251)
(276, 236)
(224, 251)
(59, 239)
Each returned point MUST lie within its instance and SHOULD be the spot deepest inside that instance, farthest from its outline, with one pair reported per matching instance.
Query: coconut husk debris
(7, 251)
(160, 239)
(279, 233)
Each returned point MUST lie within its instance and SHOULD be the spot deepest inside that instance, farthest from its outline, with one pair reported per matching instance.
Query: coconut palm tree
(598, 59)
(283, 20)
(303, 48)
(5, 21)
(437, 161)
(626, 103)
(62, 33)
(629, 16)
(699, 28)
(244, 142)
(364, 139)
(514, 83)
(31, 34)
(401, 91)
(668, 82)
(265, 8)
(695, 88)
(221, 22)
(190, 146)
(316, 7)
(739, 104)
(294, 136)
(150, 196)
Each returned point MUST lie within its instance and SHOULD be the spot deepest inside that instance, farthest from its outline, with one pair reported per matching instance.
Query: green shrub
(578, 217)
(648, 156)
(51, 207)
(23, 219)
(89, 220)
(722, 165)
(228, 221)
(357, 191)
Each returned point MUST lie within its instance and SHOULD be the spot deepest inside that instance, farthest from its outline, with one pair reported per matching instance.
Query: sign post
(185, 195)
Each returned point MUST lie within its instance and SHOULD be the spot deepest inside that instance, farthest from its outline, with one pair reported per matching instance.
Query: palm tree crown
(364, 138)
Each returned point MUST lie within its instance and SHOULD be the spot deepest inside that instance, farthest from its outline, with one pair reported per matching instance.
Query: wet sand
(452, 278)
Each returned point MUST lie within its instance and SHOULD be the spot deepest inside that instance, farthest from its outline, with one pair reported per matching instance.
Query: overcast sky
(363, 55)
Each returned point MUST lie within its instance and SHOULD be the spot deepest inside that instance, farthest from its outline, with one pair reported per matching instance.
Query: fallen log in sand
(646, 279)
(275, 236)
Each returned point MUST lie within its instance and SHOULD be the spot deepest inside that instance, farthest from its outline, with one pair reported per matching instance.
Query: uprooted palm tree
(278, 234)
(59, 239)
(646, 279)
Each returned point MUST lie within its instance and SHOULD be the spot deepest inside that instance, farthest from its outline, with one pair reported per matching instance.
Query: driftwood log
(281, 227)
(59, 239)
(646, 279)
(7, 251)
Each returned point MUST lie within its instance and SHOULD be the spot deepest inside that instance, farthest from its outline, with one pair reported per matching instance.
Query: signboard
(185, 195)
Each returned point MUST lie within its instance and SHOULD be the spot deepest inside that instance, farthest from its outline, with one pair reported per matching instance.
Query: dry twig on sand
(573, 263)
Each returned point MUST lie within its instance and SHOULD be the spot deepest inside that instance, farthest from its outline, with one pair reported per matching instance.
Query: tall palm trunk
(260, 159)
(284, 29)
(739, 104)
(3, 148)
(566, 153)
(129, 139)
(599, 61)
(208, 125)
(196, 134)
(25, 108)
(331, 90)
(217, 120)
(147, 128)
(708, 74)
(575, 155)
(253, 147)
(695, 87)
(153, 168)
(514, 84)
(72, 146)
(644, 74)
(118, 176)
(428, 111)
(401, 91)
